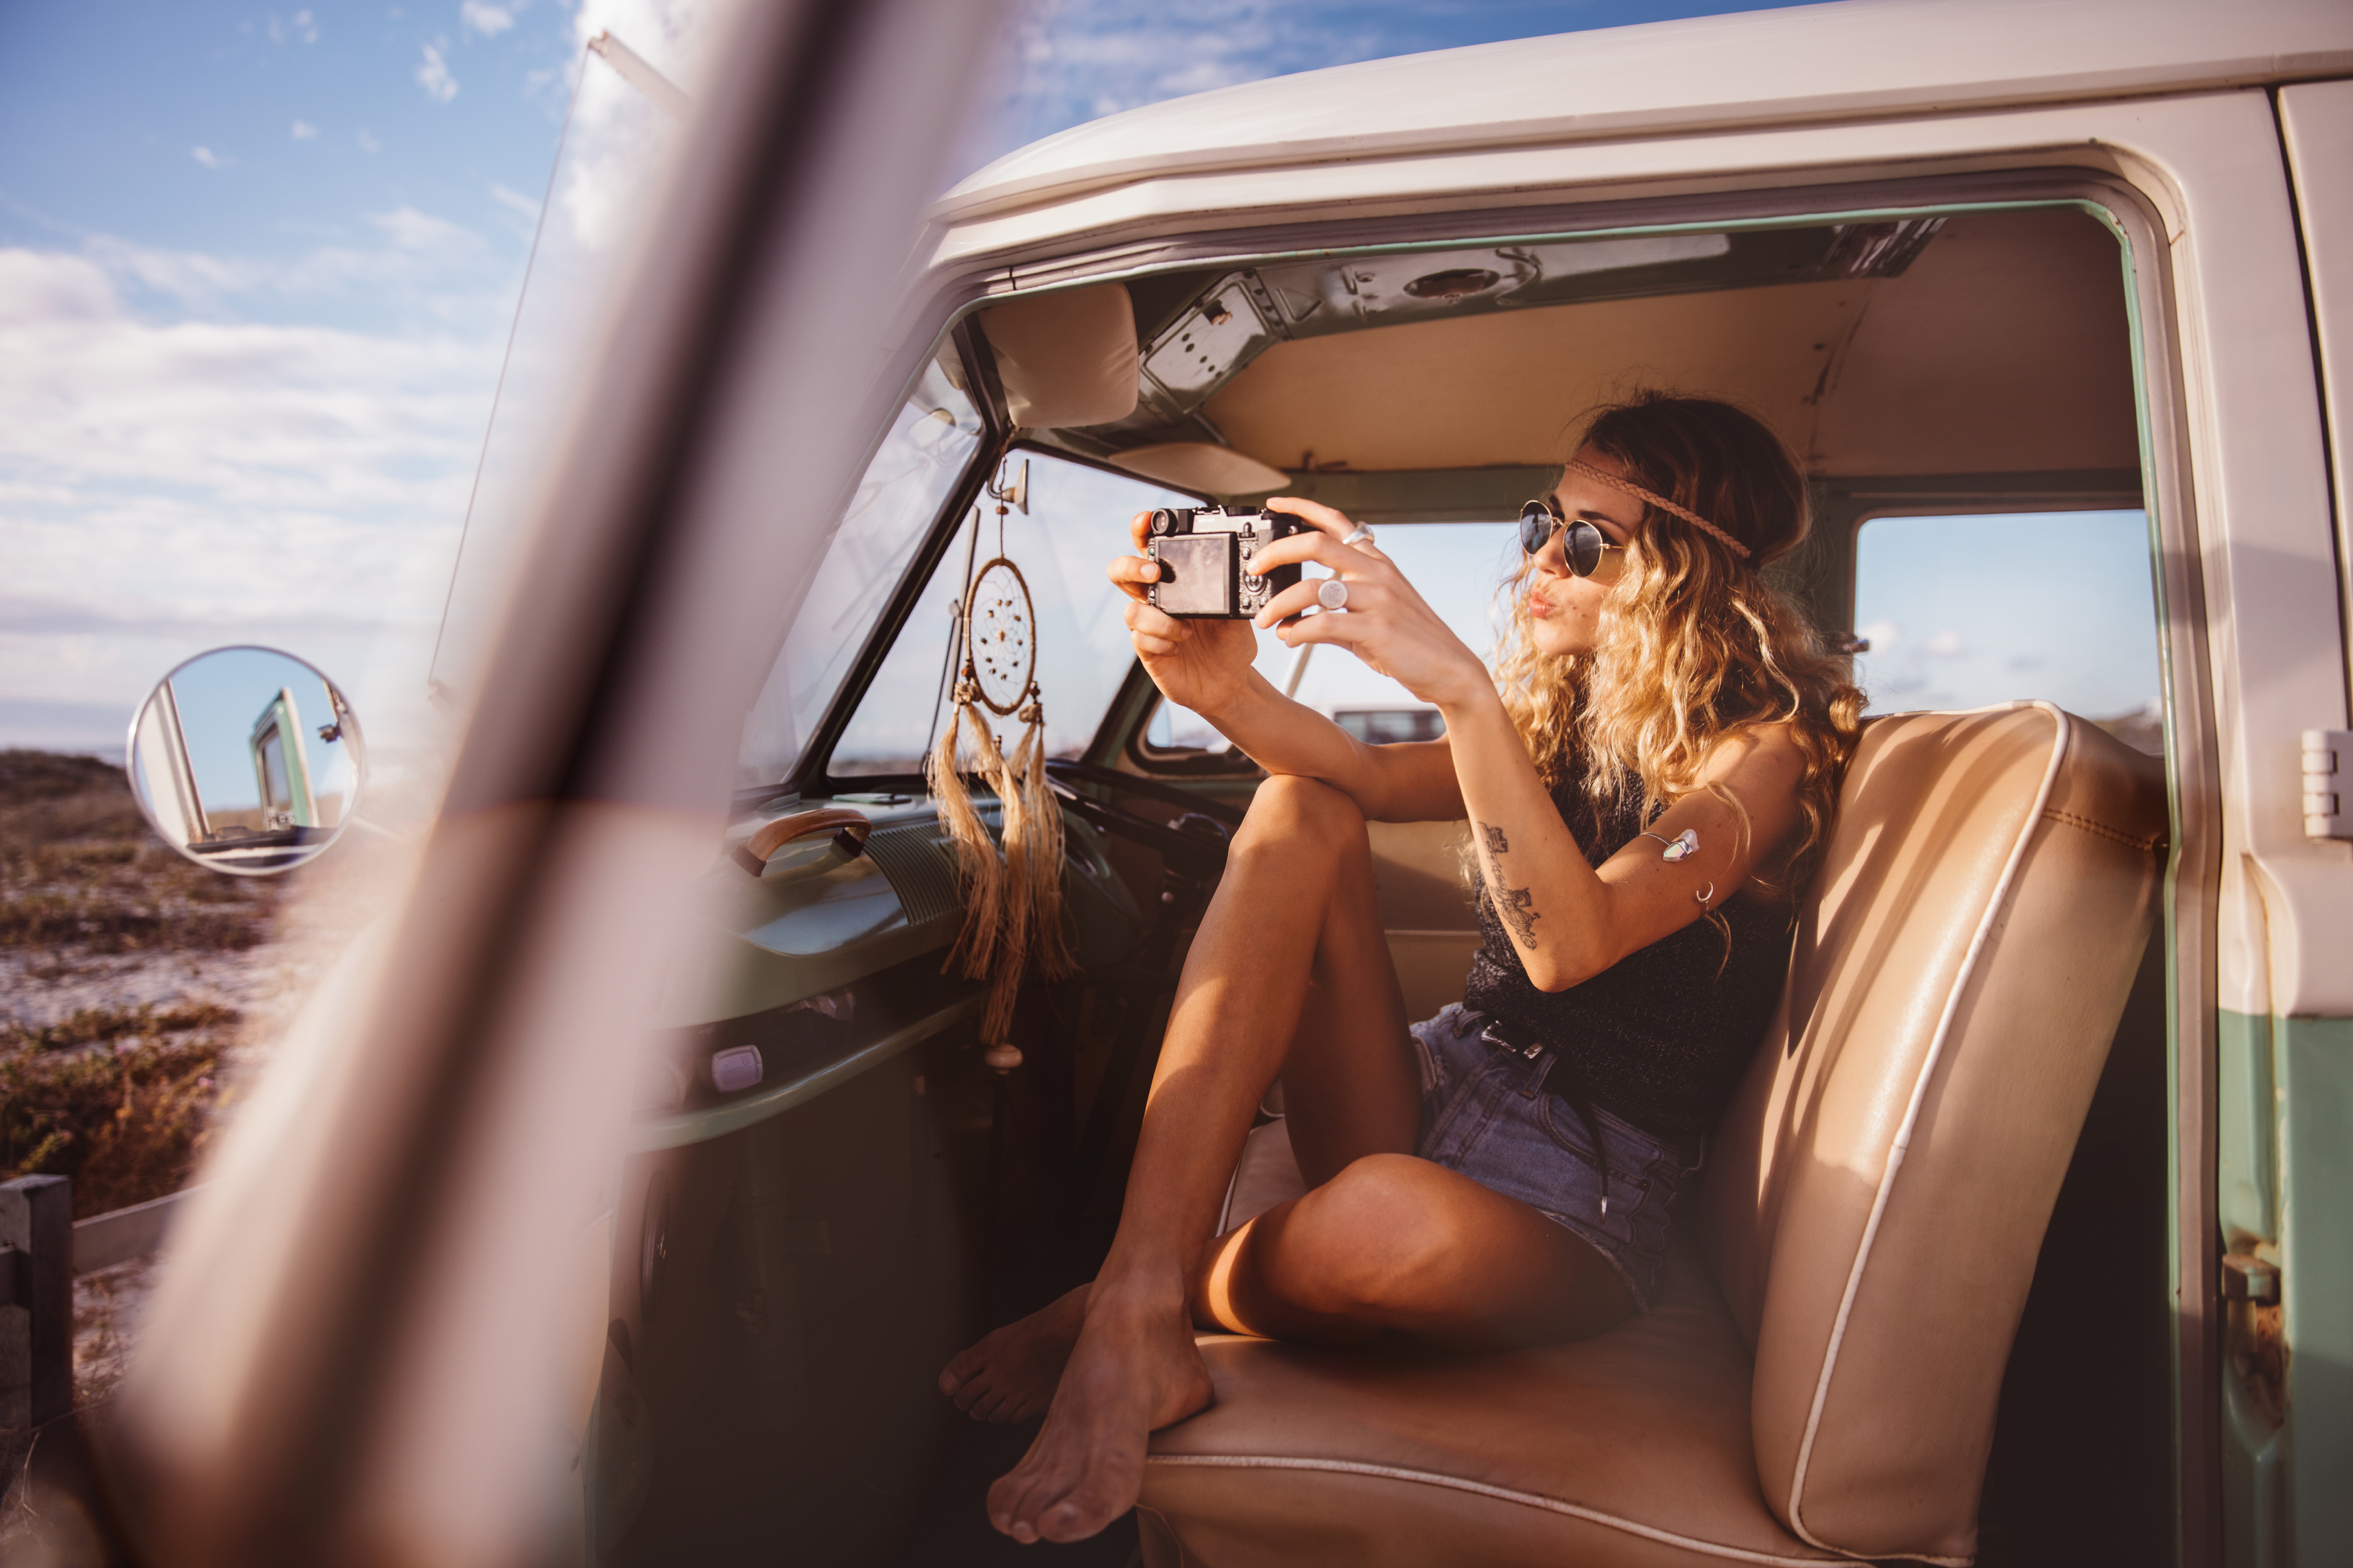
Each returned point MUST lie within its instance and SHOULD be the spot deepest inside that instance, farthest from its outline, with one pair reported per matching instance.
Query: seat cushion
(1877, 1193)
(1629, 1448)
(1875, 1201)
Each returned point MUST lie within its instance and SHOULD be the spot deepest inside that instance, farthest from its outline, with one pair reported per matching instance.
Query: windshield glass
(1077, 521)
(931, 441)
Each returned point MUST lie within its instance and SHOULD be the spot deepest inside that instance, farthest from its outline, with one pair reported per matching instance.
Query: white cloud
(210, 159)
(617, 137)
(367, 142)
(301, 25)
(434, 76)
(1947, 643)
(515, 202)
(168, 484)
(413, 230)
(673, 35)
(1882, 636)
(1063, 62)
(429, 266)
(305, 132)
(486, 18)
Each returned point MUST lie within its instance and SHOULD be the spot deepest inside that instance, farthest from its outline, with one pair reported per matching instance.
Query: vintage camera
(1204, 560)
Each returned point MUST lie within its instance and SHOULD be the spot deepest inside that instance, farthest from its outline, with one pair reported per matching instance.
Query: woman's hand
(1386, 623)
(1198, 664)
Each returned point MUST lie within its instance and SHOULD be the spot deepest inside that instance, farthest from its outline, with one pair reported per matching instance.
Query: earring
(1705, 894)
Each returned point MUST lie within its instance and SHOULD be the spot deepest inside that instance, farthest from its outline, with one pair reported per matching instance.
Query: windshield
(930, 442)
(1078, 521)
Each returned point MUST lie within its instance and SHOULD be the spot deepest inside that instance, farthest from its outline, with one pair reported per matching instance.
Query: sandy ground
(46, 987)
(265, 984)
(107, 1307)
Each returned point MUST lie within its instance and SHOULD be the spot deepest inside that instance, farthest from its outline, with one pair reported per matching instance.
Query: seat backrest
(1878, 1191)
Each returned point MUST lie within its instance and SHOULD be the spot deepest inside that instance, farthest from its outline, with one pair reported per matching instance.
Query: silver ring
(1364, 535)
(1332, 593)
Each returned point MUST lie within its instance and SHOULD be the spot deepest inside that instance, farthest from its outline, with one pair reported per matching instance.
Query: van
(629, 1186)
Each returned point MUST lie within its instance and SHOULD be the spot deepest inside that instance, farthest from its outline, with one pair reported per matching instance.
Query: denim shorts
(1485, 1112)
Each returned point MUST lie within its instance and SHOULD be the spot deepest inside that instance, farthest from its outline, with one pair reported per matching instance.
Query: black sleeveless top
(1659, 1038)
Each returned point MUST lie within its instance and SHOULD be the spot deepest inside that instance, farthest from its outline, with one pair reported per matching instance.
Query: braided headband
(1662, 503)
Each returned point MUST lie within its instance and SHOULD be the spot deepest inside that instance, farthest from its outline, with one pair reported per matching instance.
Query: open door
(359, 1348)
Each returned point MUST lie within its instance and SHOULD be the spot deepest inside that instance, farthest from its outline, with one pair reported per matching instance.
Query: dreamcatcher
(1013, 894)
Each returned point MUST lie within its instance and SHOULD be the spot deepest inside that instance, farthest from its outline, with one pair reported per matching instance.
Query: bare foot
(1010, 1374)
(1134, 1371)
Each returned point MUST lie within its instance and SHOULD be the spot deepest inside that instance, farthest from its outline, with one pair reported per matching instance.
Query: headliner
(2003, 348)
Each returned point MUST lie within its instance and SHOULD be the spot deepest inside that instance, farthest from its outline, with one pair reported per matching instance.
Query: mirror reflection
(247, 760)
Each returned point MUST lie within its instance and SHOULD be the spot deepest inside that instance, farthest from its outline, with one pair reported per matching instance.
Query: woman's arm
(1570, 922)
(1411, 781)
(1205, 665)
(1567, 921)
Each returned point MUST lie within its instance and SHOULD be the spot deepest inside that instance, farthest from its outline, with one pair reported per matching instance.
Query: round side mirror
(247, 760)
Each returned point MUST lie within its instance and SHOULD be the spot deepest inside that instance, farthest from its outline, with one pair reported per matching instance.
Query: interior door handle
(849, 829)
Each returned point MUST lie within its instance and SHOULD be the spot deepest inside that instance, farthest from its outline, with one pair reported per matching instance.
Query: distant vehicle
(2090, 1301)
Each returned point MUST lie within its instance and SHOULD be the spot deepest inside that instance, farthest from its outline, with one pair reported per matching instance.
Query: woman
(1648, 777)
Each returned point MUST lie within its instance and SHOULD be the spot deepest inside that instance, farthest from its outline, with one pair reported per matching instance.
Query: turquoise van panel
(2315, 1059)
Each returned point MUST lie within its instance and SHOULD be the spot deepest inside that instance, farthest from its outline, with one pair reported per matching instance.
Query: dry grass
(121, 1099)
(125, 1119)
(78, 868)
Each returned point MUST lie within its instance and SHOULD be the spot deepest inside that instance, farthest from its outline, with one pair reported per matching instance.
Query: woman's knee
(1290, 813)
(1373, 1234)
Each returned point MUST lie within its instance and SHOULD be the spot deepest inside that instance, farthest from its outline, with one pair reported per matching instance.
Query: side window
(1078, 520)
(1961, 612)
(1458, 567)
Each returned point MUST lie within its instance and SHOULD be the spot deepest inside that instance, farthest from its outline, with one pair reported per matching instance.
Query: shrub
(111, 1099)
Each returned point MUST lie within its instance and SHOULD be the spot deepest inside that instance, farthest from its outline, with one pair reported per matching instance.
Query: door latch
(2328, 781)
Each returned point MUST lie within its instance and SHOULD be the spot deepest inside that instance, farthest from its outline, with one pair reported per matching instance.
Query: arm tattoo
(1520, 914)
(1518, 906)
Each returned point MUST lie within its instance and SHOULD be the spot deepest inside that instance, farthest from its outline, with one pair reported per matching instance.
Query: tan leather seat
(1822, 1386)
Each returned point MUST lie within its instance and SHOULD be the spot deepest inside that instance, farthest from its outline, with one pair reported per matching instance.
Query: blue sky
(258, 268)
(1964, 611)
(220, 697)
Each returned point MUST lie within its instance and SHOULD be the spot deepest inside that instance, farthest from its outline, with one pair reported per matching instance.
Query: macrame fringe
(978, 871)
(1013, 896)
(1041, 817)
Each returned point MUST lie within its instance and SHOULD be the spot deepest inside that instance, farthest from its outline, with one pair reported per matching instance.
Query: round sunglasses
(1585, 548)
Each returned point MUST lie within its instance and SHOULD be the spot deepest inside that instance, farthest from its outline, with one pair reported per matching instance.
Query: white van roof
(1854, 57)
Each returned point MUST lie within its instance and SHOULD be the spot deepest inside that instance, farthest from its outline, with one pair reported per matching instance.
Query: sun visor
(1065, 359)
(1205, 466)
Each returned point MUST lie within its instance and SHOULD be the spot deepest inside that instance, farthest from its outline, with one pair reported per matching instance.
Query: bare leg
(1289, 962)
(1397, 1243)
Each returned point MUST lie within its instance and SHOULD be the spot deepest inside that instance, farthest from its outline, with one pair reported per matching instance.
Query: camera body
(1205, 562)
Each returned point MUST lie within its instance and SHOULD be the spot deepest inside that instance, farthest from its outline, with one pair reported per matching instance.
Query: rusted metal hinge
(2247, 1278)
(2254, 1334)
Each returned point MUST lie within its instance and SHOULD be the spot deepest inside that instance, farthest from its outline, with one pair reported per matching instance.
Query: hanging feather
(1042, 815)
(978, 871)
(1013, 883)
(1013, 911)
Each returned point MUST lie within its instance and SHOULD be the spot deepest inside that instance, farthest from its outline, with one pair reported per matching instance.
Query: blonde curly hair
(1695, 645)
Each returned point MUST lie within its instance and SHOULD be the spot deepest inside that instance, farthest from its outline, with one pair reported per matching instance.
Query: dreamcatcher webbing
(1013, 894)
